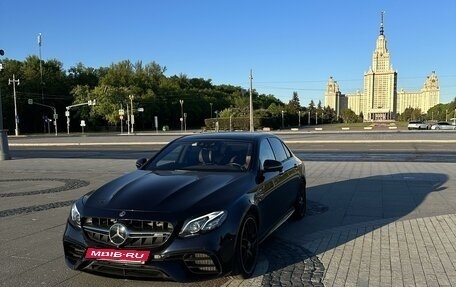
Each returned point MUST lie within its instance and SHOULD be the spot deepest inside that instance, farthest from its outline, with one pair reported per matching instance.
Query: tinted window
(205, 154)
(265, 152)
(278, 149)
(287, 151)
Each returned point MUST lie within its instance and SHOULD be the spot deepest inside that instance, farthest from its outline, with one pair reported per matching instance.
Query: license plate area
(118, 255)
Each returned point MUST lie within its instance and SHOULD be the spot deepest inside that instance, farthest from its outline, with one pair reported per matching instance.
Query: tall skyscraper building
(380, 99)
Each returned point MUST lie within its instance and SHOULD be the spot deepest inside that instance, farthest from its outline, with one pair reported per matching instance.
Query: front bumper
(180, 259)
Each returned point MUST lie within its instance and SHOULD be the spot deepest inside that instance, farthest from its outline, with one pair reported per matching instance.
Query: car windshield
(208, 155)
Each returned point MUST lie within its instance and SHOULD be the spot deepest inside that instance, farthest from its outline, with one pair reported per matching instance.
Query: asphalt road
(415, 146)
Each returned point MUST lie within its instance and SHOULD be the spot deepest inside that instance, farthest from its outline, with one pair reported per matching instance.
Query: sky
(290, 46)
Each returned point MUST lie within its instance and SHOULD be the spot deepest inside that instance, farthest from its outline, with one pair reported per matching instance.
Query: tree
(411, 114)
(348, 116)
(111, 86)
(329, 115)
(264, 101)
(81, 75)
(293, 105)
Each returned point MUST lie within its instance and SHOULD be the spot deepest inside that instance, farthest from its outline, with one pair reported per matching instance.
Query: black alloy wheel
(300, 205)
(247, 247)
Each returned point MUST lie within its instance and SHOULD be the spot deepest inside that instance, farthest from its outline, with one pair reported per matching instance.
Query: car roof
(229, 136)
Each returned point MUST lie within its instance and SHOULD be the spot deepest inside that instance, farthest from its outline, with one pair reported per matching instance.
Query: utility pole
(41, 66)
(16, 118)
(41, 80)
(251, 103)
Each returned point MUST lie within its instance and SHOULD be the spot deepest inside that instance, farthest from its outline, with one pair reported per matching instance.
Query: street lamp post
(16, 118)
(211, 109)
(299, 119)
(251, 104)
(128, 119)
(67, 112)
(55, 116)
(132, 116)
(216, 121)
(454, 117)
(182, 114)
(121, 116)
(185, 122)
(282, 121)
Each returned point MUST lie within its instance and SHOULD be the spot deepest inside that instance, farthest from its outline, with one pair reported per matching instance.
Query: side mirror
(140, 162)
(271, 165)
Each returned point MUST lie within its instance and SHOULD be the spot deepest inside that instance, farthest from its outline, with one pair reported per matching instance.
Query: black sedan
(198, 208)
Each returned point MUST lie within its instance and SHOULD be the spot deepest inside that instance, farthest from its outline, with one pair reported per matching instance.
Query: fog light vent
(200, 263)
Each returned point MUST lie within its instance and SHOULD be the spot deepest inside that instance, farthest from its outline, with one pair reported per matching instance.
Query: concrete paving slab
(369, 224)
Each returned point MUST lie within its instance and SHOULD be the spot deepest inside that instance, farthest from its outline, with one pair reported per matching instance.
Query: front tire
(247, 247)
(300, 205)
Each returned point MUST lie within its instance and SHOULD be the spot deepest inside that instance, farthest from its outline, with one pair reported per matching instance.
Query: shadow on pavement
(374, 201)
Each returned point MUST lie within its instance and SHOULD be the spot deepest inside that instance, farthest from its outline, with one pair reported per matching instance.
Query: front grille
(141, 233)
(200, 263)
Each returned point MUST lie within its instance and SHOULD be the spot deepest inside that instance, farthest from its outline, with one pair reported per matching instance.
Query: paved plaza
(368, 224)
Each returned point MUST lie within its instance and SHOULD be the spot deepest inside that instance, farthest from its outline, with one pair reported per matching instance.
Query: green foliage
(442, 112)
(53, 90)
(411, 114)
(46, 82)
(348, 116)
(294, 105)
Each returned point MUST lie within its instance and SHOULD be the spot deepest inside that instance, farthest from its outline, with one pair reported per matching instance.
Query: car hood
(162, 191)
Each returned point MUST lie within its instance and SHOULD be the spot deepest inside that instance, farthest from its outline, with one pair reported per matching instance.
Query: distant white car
(417, 125)
(443, 126)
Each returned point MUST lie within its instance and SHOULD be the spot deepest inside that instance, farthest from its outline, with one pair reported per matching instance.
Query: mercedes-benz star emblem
(122, 213)
(118, 234)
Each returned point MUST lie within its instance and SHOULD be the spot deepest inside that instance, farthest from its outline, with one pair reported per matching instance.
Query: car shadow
(359, 204)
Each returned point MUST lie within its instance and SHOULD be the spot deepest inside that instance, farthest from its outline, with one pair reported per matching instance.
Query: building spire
(381, 23)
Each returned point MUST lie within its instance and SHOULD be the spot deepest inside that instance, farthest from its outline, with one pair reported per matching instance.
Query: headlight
(75, 216)
(203, 223)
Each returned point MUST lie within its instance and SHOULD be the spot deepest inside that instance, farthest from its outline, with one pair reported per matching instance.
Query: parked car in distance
(417, 125)
(443, 126)
(198, 208)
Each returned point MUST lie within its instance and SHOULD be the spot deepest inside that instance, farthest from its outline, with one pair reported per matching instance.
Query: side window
(265, 152)
(287, 151)
(278, 149)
